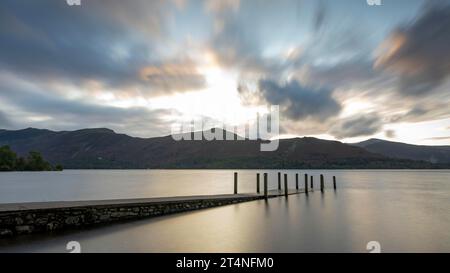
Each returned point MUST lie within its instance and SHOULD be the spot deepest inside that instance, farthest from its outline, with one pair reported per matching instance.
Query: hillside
(103, 148)
(433, 154)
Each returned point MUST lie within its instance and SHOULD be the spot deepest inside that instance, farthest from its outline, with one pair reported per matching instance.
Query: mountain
(433, 154)
(103, 148)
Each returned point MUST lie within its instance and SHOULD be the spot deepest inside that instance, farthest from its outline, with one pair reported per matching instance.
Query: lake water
(405, 211)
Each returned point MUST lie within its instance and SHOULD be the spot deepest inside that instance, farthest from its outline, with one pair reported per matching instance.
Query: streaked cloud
(4, 120)
(221, 6)
(418, 52)
(360, 125)
(110, 43)
(390, 133)
(438, 138)
(34, 107)
(297, 102)
(120, 64)
(173, 77)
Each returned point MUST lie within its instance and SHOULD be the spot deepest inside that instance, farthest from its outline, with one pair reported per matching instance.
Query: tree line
(9, 161)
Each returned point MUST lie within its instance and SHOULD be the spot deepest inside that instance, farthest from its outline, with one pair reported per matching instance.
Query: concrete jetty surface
(26, 218)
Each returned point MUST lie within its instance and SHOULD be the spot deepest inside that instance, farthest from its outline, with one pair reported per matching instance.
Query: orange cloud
(173, 77)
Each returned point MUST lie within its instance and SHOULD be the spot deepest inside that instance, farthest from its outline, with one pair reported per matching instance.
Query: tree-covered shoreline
(9, 161)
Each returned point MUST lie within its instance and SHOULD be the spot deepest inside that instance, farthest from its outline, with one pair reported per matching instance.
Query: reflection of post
(235, 183)
(296, 181)
(306, 183)
(257, 183)
(312, 182)
(285, 185)
(279, 181)
(334, 182)
(321, 182)
(265, 185)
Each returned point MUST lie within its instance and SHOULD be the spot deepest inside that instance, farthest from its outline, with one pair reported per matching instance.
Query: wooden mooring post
(235, 183)
(285, 185)
(279, 181)
(312, 182)
(265, 185)
(306, 183)
(296, 181)
(334, 182)
(257, 183)
(321, 183)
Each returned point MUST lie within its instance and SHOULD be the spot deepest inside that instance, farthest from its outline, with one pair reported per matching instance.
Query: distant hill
(433, 154)
(103, 148)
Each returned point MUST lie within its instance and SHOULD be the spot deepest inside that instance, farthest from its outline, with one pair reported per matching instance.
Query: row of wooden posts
(286, 190)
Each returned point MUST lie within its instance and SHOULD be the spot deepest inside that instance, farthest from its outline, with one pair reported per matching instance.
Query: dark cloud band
(419, 53)
(355, 126)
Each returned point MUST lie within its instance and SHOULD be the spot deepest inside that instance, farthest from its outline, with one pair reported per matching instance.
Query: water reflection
(402, 210)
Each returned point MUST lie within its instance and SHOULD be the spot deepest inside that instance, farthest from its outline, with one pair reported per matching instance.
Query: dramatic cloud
(360, 125)
(320, 16)
(173, 77)
(419, 53)
(37, 108)
(297, 102)
(104, 42)
(234, 44)
(343, 74)
(390, 133)
(243, 31)
(222, 6)
(428, 108)
(439, 138)
(4, 121)
(127, 64)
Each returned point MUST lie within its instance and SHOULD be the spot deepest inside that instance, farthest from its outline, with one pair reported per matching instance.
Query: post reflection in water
(397, 209)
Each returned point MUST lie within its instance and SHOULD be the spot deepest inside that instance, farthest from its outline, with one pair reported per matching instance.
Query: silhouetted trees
(9, 161)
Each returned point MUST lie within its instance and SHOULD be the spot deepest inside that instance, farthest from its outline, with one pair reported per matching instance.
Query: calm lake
(405, 211)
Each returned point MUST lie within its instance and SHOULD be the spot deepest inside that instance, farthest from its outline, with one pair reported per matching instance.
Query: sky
(340, 70)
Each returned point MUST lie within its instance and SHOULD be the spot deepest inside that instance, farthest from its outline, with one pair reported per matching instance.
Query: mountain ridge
(433, 154)
(96, 148)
